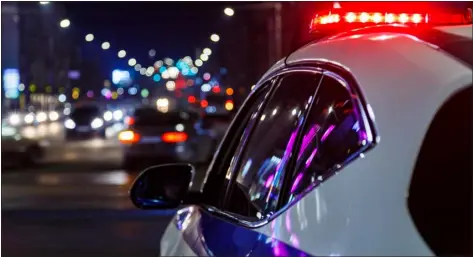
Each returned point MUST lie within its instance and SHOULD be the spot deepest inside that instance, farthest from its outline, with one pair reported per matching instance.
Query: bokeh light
(215, 38)
(106, 45)
(207, 51)
(89, 37)
(132, 62)
(229, 11)
(121, 54)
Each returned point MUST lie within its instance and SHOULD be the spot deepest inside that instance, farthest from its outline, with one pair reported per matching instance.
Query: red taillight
(204, 103)
(216, 89)
(128, 137)
(129, 121)
(191, 99)
(174, 137)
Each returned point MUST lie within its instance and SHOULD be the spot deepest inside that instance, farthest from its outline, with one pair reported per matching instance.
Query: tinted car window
(217, 182)
(263, 163)
(84, 112)
(152, 117)
(332, 136)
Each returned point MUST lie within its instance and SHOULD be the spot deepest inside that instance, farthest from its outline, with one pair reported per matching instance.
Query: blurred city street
(76, 202)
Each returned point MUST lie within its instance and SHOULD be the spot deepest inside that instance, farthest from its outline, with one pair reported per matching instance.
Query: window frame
(327, 68)
(236, 167)
(364, 123)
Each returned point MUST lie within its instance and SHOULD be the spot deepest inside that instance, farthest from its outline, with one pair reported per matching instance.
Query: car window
(85, 112)
(263, 162)
(331, 137)
(216, 184)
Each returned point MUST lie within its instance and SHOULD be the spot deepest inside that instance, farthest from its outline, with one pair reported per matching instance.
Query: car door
(253, 179)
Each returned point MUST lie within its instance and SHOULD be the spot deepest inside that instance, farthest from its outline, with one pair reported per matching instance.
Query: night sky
(173, 29)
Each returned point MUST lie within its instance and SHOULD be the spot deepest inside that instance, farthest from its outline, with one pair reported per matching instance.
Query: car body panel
(463, 30)
(195, 232)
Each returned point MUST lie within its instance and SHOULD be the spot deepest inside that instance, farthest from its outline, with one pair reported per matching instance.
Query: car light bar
(360, 18)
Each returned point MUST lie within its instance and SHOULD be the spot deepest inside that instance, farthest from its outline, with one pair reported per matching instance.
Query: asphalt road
(75, 203)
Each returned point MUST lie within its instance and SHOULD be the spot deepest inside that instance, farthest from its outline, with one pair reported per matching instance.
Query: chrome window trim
(327, 68)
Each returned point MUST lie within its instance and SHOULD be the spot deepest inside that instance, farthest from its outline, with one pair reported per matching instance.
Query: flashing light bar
(332, 18)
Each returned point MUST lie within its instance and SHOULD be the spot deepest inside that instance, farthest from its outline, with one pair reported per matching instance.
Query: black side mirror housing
(162, 186)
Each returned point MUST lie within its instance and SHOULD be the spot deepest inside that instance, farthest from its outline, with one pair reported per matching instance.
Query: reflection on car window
(217, 183)
(263, 163)
(331, 137)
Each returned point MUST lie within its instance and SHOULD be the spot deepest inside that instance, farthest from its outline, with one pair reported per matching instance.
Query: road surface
(76, 203)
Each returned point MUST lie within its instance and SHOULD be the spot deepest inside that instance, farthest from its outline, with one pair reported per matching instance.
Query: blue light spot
(223, 71)
(162, 69)
(156, 77)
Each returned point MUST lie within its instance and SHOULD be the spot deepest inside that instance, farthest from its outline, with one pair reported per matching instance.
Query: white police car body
(335, 153)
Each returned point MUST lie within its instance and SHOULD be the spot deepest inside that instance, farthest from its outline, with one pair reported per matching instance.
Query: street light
(44, 2)
(229, 11)
(65, 23)
(198, 62)
(89, 37)
(121, 54)
(105, 45)
(132, 62)
(214, 37)
(207, 51)
(204, 57)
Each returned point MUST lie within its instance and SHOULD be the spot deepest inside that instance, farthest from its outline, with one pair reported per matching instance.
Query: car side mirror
(162, 186)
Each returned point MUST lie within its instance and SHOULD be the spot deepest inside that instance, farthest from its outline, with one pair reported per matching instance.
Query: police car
(355, 144)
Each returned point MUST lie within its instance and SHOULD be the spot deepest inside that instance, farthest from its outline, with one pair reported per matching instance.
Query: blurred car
(85, 122)
(357, 144)
(172, 135)
(18, 150)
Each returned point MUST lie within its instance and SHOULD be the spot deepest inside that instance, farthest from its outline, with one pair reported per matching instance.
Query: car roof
(459, 30)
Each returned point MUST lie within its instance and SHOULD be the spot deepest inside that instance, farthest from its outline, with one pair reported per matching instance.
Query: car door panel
(219, 237)
(181, 234)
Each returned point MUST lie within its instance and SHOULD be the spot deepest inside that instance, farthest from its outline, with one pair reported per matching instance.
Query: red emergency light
(340, 17)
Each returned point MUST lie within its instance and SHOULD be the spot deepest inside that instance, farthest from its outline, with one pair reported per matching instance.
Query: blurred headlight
(53, 116)
(70, 124)
(14, 119)
(117, 115)
(29, 118)
(96, 123)
(108, 116)
(41, 117)
(8, 131)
